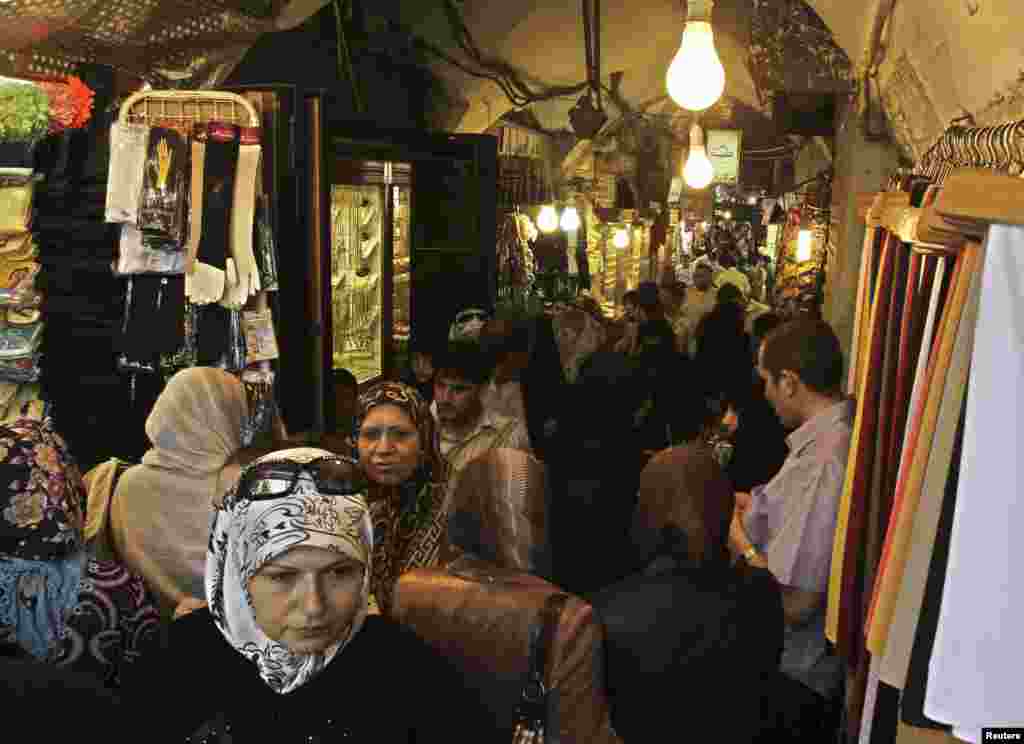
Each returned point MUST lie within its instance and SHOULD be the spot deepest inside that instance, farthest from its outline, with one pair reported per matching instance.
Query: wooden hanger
(884, 201)
(974, 198)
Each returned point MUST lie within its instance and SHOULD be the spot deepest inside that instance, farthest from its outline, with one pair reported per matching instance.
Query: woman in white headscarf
(285, 651)
(159, 514)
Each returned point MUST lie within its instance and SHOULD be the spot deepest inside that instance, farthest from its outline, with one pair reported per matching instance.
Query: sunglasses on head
(333, 475)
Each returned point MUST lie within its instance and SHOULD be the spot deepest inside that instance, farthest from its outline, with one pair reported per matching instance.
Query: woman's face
(389, 445)
(307, 598)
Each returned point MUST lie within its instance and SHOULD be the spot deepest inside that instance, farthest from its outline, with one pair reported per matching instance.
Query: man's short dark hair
(629, 298)
(647, 297)
(729, 292)
(344, 379)
(464, 360)
(810, 349)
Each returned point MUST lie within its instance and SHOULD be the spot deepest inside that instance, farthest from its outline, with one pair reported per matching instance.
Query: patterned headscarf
(432, 468)
(408, 521)
(247, 534)
(41, 522)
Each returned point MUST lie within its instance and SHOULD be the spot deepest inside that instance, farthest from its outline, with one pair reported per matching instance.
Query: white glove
(205, 284)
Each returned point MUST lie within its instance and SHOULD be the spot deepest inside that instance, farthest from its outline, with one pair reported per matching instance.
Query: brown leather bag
(483, 619)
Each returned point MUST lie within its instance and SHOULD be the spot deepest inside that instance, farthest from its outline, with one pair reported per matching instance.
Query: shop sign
(723, 146)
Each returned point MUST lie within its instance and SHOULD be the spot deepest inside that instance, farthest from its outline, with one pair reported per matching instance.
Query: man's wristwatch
(750, 554)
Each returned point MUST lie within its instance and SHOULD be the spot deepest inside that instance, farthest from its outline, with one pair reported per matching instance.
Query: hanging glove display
(244, 280)
(164, 186)
(129, 144)
(219, 164)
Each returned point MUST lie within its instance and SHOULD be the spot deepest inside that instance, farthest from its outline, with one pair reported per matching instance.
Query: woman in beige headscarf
(161, 509)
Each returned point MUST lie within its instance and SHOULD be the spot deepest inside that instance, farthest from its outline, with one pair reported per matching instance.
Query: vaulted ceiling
(764, 45)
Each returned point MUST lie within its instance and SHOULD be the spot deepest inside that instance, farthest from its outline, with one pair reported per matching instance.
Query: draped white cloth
(975, 669)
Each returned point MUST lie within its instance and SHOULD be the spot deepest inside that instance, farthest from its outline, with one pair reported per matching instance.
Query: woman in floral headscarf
(56, 604)
(285, 651)
(398, 447)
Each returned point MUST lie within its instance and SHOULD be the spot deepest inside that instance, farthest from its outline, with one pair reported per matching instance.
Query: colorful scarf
(409, 519)
(41, 561)
(247, 534)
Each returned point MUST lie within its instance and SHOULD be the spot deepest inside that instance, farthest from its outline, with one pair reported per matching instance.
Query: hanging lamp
(547, 220)
(570, 219)
(696, 78)
(697, 172)
(804, 243)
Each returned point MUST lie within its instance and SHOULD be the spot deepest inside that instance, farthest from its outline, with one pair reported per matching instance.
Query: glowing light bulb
(547, 220)
(803, 245)
(620, 239)
(696, 78)
(698, 171)
(570, 219)
(727, 215)
(704, 225)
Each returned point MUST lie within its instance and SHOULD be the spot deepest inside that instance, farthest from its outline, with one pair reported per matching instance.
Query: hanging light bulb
(696, 78)
(570, 219)
(698, 171)
(620, 239)
(547, 220)
(803, 245)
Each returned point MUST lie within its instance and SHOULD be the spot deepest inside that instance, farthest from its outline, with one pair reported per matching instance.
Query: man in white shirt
(467, 428)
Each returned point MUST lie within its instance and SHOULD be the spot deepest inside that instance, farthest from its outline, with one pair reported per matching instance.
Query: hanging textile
(939, 290)
(983, 597)
(910, 593)
(862, 308)
(129, 144)
(916, 682)
(920, 446)
(862, 449)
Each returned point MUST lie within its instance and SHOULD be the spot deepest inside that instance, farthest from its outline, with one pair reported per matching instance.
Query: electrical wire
(517, 91)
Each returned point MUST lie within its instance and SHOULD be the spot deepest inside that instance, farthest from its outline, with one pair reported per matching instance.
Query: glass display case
(369, 248)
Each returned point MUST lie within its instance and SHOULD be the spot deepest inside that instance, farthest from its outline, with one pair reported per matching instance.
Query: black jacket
(691, 652)
(386, 686)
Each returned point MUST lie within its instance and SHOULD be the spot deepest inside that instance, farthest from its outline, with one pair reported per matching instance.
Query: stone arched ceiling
(933, 60)
(544, 41)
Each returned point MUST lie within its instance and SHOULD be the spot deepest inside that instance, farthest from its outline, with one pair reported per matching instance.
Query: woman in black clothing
(285, 652)
(594, 472)
(687, 621)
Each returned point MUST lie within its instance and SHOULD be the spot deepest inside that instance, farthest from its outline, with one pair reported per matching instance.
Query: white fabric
(205, 285)
(134, 257)
(896, 661)
(128, 146)
(974, 673)
(240, 546)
